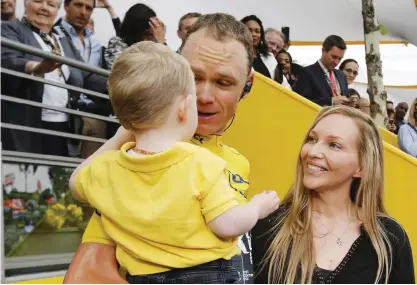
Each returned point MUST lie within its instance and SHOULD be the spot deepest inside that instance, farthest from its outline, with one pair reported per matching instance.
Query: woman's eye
(311, 139)
(335, 145)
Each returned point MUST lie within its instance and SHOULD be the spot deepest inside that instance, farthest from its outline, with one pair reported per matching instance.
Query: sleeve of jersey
(82, 181)
(218, 199)
(95, 232)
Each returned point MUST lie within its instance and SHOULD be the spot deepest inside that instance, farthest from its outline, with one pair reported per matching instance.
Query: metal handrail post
(2, 227)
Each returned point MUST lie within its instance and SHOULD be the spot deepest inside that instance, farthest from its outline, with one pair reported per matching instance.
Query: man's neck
(8, 17)
(398, 120)
(323, 65)
(80, 31)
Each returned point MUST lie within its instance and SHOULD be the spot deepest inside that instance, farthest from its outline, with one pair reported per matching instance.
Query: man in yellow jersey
(222, 68)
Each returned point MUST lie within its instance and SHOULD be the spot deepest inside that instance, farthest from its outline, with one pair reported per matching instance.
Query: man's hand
(341, 100)
(103, 4)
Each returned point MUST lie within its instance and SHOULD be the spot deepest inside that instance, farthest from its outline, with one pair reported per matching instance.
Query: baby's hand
(266, 203)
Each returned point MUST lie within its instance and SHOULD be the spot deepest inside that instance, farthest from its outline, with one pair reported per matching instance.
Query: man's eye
(223, 83)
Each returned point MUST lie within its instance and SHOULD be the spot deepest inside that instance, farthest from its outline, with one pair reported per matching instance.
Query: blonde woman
(407, 135)
(332, 227)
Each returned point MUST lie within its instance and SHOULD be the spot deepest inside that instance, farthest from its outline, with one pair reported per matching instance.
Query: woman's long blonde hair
(291, 255)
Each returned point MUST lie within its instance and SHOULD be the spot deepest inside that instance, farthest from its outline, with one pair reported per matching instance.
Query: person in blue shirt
(407, 135)
(75, 27)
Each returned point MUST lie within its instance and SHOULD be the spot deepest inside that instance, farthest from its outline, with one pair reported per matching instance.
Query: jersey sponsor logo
(238, 183)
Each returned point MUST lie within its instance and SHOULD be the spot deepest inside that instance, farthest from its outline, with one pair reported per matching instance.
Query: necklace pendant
(339, 242)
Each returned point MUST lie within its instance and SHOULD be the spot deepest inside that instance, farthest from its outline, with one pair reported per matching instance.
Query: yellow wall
(269, 128)
(52, 280)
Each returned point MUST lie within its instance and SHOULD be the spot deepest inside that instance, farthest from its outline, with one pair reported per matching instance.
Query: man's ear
(248, 85)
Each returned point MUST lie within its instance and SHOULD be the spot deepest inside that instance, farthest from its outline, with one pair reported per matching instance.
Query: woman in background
(140, 24)
(285, 60)
(332, 227)
(264, 62)
(350, 68)
(407, 135)
(354, 98)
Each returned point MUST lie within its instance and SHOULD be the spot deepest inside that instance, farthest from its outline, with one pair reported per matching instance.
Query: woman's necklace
(339, 240)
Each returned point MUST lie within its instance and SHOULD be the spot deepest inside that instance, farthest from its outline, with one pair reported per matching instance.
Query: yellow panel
(52, 280)
(389, 137)
(269, 128)
(319, 43)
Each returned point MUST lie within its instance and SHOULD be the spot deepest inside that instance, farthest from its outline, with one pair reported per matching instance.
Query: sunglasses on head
(349, 70)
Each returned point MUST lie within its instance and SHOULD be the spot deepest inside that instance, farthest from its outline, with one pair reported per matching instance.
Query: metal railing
(63, 60)
(40, 159)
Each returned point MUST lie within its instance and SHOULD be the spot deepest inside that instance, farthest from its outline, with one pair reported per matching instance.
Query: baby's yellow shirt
(156, 207)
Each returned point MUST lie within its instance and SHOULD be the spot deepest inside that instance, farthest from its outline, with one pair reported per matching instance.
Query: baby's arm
(241, 219)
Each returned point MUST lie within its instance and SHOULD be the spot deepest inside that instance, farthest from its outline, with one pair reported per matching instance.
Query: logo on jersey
(238, 183)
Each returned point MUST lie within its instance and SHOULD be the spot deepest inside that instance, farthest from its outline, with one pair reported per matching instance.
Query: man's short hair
(188, 16)
(279, 33)
(144, 82)
(223, 26)
(334, 41)
(390, 102)
(66, 2)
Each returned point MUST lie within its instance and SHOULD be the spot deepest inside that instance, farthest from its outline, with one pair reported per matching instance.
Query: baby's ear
(183, 105)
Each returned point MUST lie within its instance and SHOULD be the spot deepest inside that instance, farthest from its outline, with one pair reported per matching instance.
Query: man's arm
(95, 259)
(304, 86)
(94, 263)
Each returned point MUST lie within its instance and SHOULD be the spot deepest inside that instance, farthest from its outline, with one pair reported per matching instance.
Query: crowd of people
(195, 223)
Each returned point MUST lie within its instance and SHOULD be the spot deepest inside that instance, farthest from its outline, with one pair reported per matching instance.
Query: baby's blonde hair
(144, 82)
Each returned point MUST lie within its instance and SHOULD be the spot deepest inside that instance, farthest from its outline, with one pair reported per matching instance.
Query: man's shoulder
(205, 156)
(236, 161)
(235, 153)
(13, 25)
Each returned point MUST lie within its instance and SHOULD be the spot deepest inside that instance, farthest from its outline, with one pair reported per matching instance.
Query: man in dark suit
(321, 83)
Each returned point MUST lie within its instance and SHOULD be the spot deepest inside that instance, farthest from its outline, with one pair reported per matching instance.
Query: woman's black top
(360, 264)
